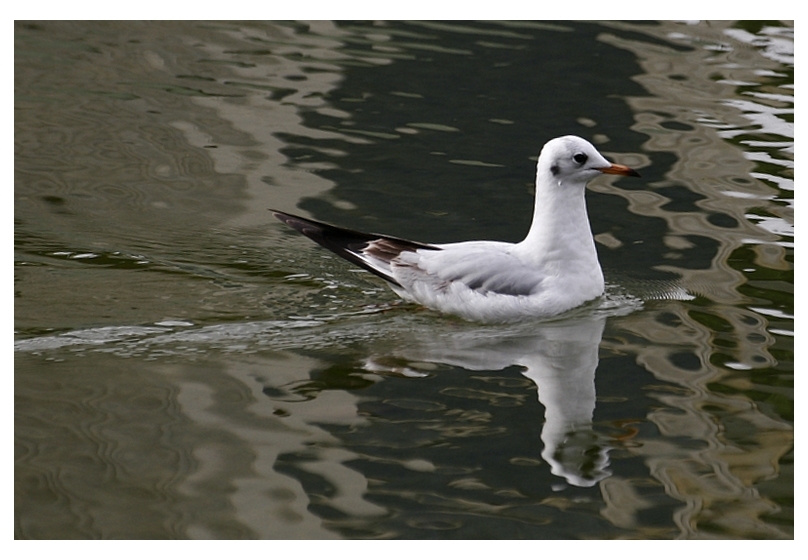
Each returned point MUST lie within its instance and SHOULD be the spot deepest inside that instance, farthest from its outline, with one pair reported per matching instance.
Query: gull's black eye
(580, 158)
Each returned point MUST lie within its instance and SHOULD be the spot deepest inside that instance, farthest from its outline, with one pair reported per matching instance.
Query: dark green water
(187, 368)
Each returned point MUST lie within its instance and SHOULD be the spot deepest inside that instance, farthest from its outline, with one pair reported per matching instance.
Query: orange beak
(617, 169)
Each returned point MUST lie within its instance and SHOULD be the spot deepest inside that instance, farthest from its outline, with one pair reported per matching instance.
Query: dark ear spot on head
(554, 170)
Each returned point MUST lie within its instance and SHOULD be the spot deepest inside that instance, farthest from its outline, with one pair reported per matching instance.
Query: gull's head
(570, 159)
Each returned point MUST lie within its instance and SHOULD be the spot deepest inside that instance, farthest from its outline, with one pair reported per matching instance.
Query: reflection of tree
(727, 443)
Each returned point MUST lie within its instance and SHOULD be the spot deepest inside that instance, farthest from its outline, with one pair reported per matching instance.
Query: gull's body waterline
(554, 269)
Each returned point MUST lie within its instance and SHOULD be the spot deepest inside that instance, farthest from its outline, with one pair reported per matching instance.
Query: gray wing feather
(484, 270)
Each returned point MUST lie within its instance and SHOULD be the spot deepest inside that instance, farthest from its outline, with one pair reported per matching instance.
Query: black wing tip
(302, 225)
(344, 242)
(282, 216)
(299, 223)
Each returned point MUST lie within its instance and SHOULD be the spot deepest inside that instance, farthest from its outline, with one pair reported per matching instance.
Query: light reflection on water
(185, 368)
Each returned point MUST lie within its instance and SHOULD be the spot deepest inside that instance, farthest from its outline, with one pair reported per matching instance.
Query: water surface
(187, 368)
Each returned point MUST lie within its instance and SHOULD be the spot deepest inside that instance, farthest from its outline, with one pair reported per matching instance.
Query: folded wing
(373, 252)
(484, 267)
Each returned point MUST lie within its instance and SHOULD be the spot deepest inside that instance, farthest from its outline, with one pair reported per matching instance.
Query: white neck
(560, 238)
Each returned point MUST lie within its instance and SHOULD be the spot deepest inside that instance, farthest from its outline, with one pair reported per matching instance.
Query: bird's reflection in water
(559, 357)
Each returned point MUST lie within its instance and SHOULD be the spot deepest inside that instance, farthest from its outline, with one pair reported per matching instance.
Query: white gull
(554, 269)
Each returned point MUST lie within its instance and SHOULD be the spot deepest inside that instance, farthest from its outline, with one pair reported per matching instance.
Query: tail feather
(354, 246)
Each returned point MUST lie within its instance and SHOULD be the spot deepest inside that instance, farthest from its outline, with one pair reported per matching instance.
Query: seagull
(553, 270)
